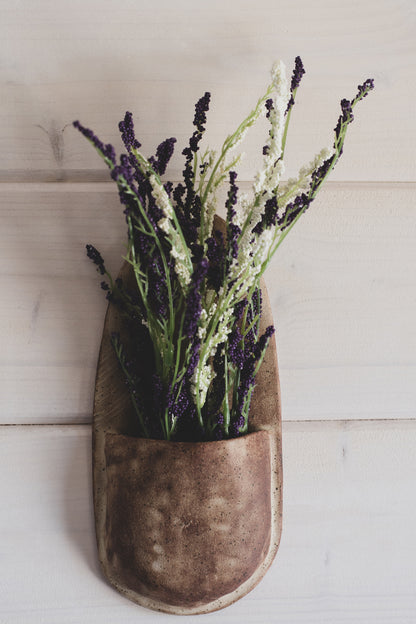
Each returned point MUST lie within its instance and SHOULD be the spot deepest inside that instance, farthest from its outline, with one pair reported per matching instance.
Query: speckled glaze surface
(185, 528)
(186, 523)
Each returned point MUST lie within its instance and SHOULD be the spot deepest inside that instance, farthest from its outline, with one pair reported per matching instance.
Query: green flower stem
(235, 384)
(222, 306)
(216, 182)
(226, 406)
(233, 138)
(147, 168)
(247, 401)
(246, 409)
(287, 123)
(121, 358)
(258, 196)
(203, 175)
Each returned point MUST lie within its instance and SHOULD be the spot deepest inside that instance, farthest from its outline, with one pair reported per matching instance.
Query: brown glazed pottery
(185, 527)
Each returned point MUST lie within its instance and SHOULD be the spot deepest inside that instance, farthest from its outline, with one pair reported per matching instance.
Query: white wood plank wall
(343, 287)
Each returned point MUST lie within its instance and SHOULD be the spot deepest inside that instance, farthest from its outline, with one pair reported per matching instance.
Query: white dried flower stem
(234, 139)
(169, 223)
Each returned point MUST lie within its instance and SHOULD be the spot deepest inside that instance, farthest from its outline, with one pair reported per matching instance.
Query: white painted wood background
(343, 288)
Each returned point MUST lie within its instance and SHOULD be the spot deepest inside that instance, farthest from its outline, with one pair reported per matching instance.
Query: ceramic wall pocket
(185, 527)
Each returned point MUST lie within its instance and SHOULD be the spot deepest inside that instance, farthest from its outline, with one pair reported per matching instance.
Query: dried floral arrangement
(194, 344)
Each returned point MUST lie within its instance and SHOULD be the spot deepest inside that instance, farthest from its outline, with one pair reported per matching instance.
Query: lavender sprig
(297, 74)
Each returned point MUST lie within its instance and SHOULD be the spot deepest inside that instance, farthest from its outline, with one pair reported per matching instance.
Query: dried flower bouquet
(196, 306)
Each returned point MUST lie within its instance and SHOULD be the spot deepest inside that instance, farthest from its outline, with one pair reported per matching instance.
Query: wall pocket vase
(185, 527)
(190, 527)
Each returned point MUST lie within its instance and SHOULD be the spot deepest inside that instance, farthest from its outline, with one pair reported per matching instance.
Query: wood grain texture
(347, 552)
(97, 59)
(342, 289)
(343, 293)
